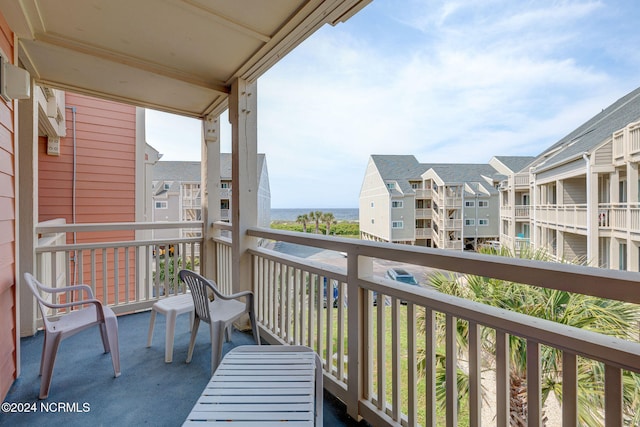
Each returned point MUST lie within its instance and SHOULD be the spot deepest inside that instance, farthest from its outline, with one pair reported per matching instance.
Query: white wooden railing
(369, 351)
(375, 372)
(127, 274)
(572, 217)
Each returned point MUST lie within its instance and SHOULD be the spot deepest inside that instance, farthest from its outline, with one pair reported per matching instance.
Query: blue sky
(446, 81)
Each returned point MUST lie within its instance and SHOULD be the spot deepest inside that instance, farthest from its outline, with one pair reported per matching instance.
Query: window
(372, 204)
(483, 203)
(224, 185)
(391, 185)
(396, 203)
(469, 204)
(166, 185)
(483, 222)
(397, 224)
(415, 185)
(373, 221)
(163, 204)
(469, 222)
(622, 254)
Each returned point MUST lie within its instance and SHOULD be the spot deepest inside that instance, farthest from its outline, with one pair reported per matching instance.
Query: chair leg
(49, 353)
(105, 337)
(192, 342)
(217, 330)
(152, 323)
(170, 331)
(44, 351)
(111, 327)
(254, 327)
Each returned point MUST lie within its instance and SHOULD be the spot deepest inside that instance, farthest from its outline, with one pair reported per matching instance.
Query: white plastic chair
(71, 323)
(218, 310)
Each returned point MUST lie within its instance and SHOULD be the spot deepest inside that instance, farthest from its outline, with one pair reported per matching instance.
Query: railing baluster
(126, 275)
(79, 264)
(381, 356)
(612, 396)
(105, 289)
(328, 292)
(116, 276)
(534, 397)
(569, 389)
(93, 272)
(502, 379)
(395, 359)
(475, 374)
(451, 370)
(412, 370)
(430, 366)
(318, 307)
(341, 331)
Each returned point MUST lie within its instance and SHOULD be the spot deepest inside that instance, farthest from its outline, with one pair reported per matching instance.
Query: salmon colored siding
(8, 362)
(105, 178)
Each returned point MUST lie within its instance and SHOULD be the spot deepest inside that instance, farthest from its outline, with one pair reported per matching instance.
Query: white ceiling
(173, 55)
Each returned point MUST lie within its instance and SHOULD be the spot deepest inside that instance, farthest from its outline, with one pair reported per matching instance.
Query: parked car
(401, 275)
(335, 292)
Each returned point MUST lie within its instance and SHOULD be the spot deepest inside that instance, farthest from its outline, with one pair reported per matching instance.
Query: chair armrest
(72, 288)
(95, 302)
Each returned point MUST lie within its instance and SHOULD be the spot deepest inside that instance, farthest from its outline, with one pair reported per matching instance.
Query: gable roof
(189, 171)
(516, 163)
(404, 168)
(593, 132)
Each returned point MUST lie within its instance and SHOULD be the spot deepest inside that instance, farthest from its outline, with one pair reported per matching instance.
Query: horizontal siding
(105, 182)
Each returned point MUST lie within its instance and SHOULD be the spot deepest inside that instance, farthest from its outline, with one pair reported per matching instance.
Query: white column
(244, 168)
(210, 193)
(27, 213)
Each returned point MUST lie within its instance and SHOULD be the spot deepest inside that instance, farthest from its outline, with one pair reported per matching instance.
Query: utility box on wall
(15, 82)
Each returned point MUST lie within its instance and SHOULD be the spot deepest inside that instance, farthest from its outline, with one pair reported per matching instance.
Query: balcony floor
(149, 391)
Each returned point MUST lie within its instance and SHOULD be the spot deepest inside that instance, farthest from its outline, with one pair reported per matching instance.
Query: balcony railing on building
(370, 350)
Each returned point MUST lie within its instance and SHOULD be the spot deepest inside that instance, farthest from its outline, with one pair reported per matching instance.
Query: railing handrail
(621, 285)
(70, 228)
(119, 244)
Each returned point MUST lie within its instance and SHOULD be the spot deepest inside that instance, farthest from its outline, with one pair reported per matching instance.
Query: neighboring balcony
(571, 218)
(370, 352)
(620, 217)
(522, 212)
(425, 213)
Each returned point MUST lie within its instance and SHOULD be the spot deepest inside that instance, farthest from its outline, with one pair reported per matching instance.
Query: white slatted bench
(263, 386)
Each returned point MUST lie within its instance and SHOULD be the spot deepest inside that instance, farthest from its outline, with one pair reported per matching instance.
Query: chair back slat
(200, 290)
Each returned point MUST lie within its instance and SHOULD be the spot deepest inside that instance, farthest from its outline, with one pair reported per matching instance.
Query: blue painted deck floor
(149, 391)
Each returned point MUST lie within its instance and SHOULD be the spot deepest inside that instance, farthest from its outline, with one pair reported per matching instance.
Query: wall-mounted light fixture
(15, 82)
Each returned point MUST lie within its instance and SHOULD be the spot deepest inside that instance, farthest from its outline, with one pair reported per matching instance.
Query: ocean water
(290, 214)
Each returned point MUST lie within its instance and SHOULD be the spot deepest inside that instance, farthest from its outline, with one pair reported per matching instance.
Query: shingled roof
(593, 132)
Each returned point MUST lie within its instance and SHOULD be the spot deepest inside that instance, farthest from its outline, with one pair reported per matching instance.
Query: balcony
(292, 309)
(149, 391)
(571, 218)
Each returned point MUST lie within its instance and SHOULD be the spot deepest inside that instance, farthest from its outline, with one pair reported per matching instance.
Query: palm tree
(316, 216)
(328, 219)
(303, 219)
(582, 311)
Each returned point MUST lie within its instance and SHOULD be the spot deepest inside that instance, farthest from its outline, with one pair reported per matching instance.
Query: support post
(210, 194)
(27, 215)
(244, 188)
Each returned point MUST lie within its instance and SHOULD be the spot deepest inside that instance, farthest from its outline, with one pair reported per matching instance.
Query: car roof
(401, 272)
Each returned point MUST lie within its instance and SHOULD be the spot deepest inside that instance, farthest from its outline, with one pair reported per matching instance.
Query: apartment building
(177, 196)
(450, 206)
(583, 192)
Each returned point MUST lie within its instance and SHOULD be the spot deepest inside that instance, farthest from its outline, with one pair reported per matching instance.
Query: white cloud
(446, 81)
